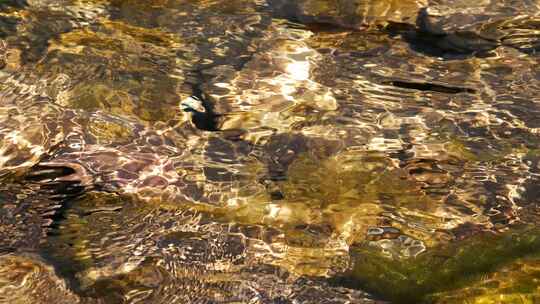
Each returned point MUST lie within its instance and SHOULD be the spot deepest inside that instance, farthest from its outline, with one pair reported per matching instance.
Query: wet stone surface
(269, 151)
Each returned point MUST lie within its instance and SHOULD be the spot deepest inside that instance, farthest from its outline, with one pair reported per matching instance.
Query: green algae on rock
(516, 282)
(133, 68)
(444, 270)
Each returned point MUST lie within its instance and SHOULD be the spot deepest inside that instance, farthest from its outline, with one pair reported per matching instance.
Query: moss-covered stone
(442, 271)
(518, 282)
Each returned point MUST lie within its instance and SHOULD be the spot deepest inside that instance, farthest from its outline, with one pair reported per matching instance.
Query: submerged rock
(481, 27)
(518, 281)
(116, 249)
(439, 275)
(24, 219)
(355, 14)
(26, 278)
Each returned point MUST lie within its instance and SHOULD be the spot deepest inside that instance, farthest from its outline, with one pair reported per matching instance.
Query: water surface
(269, 151)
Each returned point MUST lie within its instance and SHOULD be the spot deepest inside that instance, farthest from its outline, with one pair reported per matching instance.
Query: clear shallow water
(269, 151)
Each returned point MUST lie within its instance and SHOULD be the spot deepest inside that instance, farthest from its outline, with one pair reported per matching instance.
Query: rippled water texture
(269, 151)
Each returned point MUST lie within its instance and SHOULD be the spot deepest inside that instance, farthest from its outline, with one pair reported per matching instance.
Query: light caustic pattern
(306, 151)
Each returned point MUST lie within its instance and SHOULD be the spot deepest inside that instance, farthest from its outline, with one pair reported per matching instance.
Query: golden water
(269, 151)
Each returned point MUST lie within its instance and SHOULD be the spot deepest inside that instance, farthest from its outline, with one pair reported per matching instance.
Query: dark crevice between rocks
(58, 217)
(423, 86)
(426, 38)
(41, 173)
(8, 26)
(450, 46)
(208, 120)
(61, 184)
(13, 3)
(318, 26)
(48, 178)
